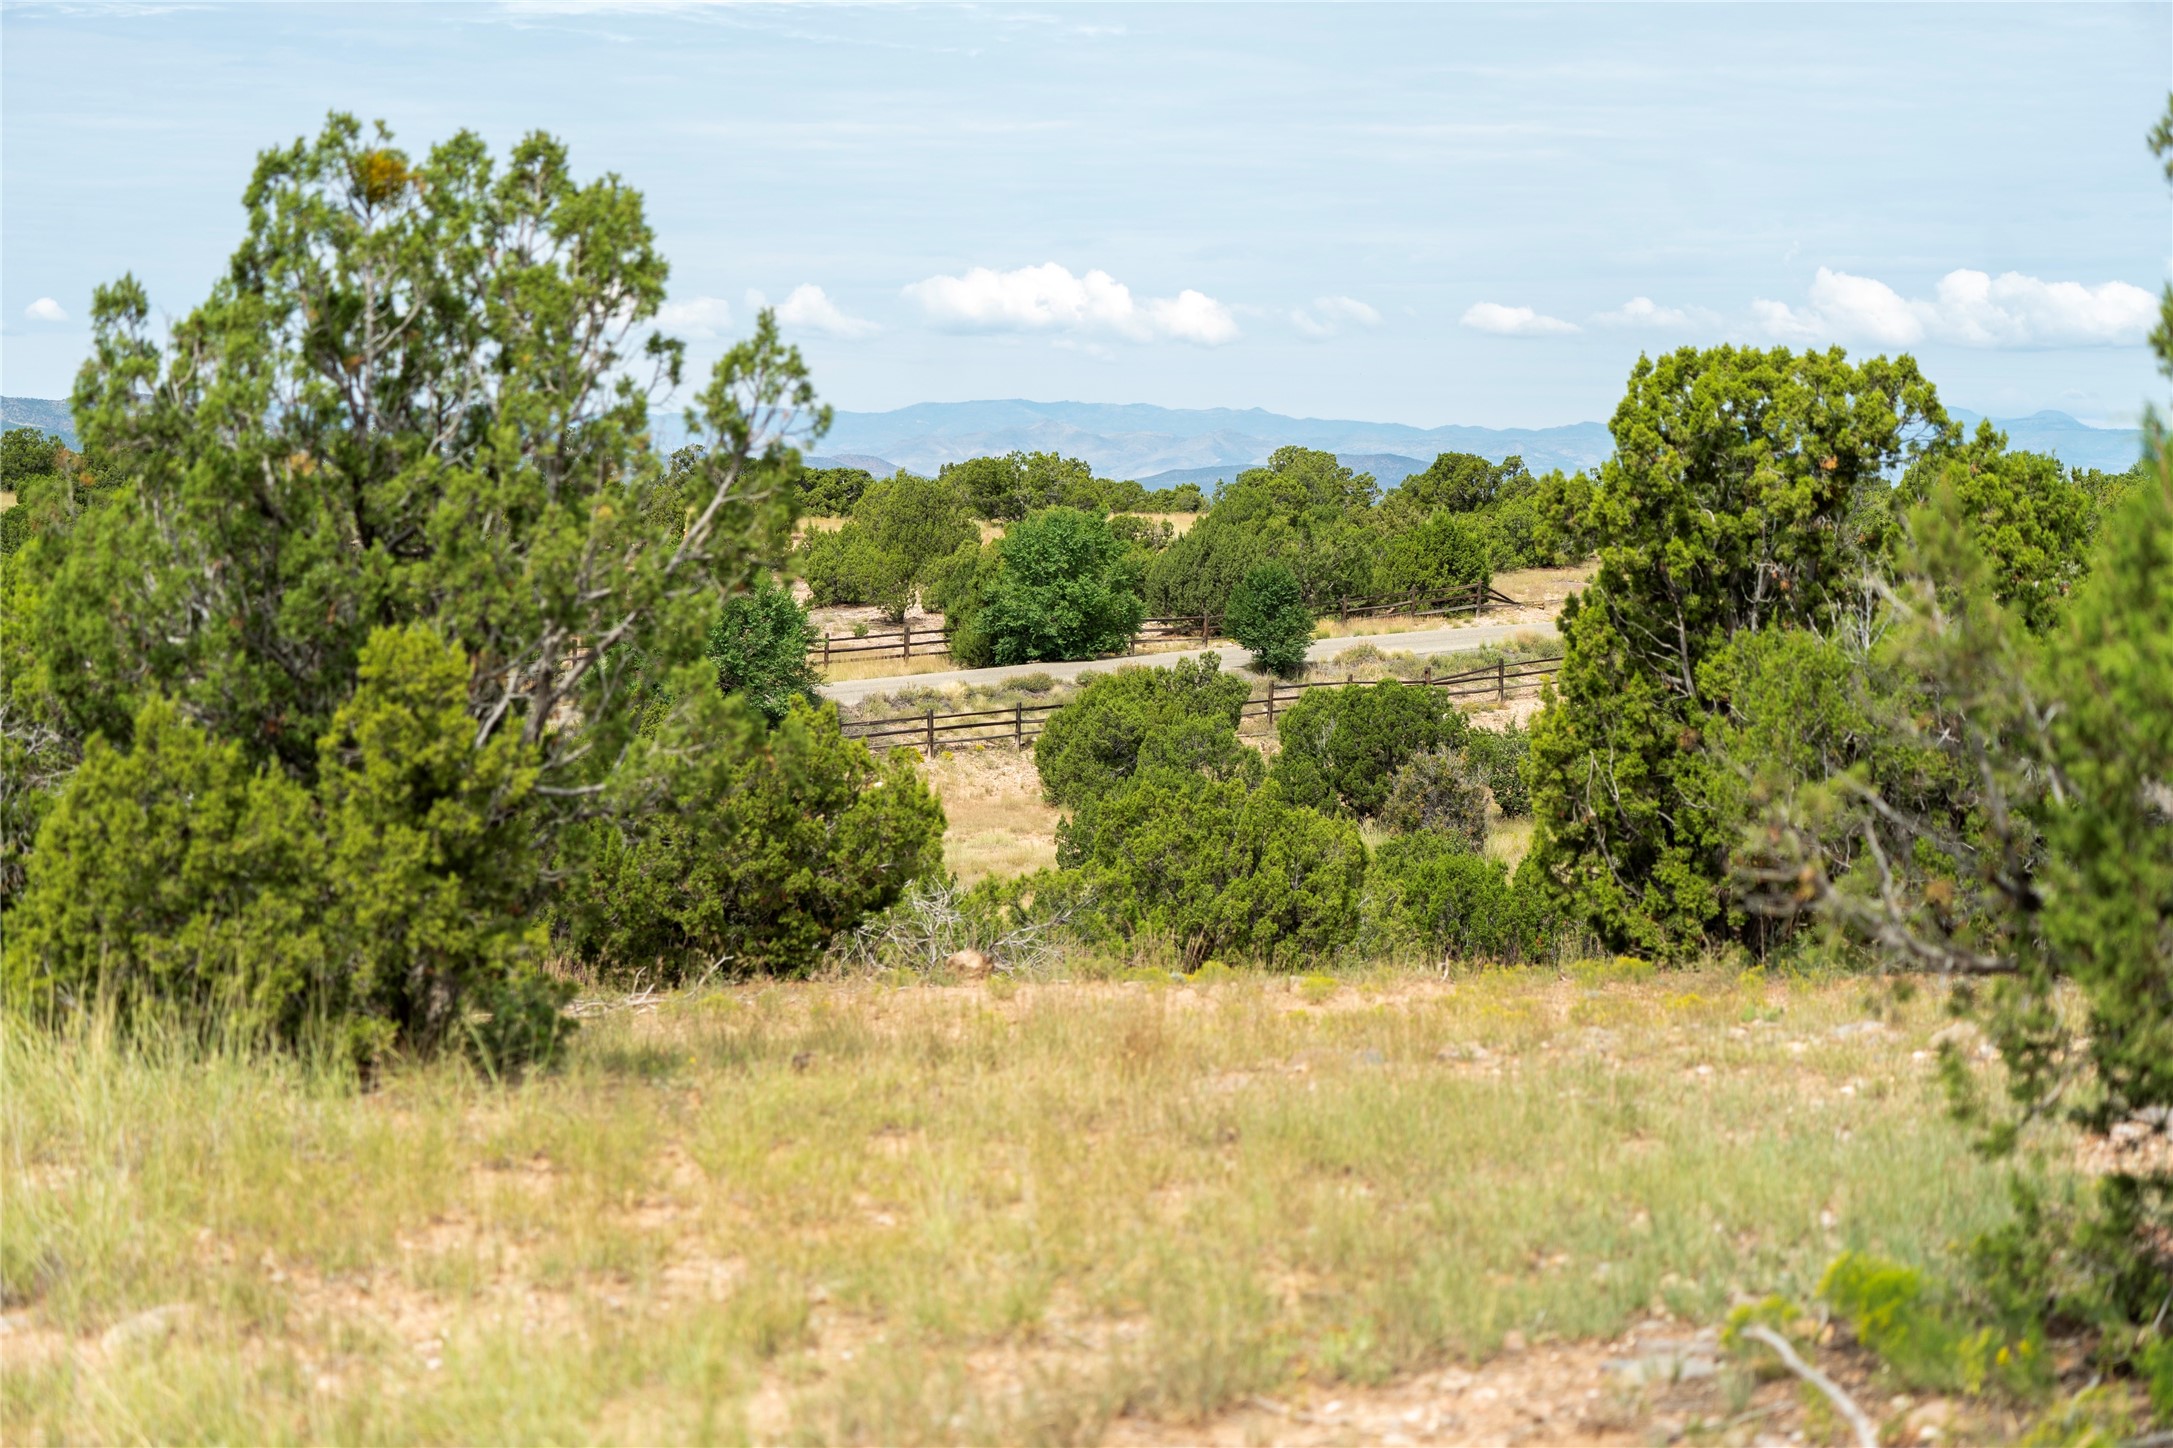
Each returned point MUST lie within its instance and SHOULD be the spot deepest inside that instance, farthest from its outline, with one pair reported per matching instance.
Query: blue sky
(1417, 213)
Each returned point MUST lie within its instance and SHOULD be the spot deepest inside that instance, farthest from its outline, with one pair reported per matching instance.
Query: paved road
(1421, 641)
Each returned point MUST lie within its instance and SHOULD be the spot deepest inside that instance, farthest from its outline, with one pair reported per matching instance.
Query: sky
(1414, 213)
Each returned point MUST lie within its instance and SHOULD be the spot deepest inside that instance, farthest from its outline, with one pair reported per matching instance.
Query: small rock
(152, 1325)
(970, 965)
(1860, 1028)
(1513, 1341)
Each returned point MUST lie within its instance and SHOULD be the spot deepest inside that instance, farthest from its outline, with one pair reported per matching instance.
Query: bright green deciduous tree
(1268, 616)
(1735, 502)
(1063, 586)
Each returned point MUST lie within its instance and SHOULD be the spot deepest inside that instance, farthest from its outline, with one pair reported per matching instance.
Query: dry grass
(850, 1212)
(887, 666)
(998, 822)
(1546, 589)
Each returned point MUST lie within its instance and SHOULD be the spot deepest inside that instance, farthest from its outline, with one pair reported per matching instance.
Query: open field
(1023, 1212)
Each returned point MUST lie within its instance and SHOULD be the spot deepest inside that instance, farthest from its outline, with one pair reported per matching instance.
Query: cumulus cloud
(1968, 308)
(1330, 315)
(1048, 298)
(45, 309)
(1514, 321)
(1643, 312)
(702, 318)
(810, 309)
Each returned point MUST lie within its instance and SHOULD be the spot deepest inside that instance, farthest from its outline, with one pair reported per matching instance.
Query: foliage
(902, 529)
(1342, 747)
(384, 904)
(756, 859)
(1891, 1311)
(1268, 617)
(332, 442)
(1304, 509)
(1441, 792)
(1499, 755)
(26, 452)
(1061, 587)
(1008, 488)
(759, 647)
(1436, 892)
(1093, 744)
(2031, 519)
(1218, 867)
(831, 492)
(1733, 503)
(1445, 552)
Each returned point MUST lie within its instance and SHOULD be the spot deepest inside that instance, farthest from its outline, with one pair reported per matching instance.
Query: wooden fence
(932, 640)
(1018, 725)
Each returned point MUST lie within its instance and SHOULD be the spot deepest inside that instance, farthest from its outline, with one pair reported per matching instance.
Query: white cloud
(810, 309)
(45, 309)
(702, 318)
(1968, 308)
(1330, 315)
(1048, 298)
(1643, 312)
(1514, 321)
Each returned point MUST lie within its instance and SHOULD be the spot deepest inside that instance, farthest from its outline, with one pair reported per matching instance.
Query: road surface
(1449, 639)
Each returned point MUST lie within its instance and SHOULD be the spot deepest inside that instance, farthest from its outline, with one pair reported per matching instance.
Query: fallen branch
(1867, 1434)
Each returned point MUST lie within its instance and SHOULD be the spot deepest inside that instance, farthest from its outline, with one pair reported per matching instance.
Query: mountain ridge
(1161, 446)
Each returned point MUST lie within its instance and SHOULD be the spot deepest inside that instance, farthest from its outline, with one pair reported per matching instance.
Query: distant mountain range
(1164, 446)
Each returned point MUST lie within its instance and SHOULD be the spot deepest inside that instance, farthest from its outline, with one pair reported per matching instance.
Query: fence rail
(1018, 725)
(931, 640)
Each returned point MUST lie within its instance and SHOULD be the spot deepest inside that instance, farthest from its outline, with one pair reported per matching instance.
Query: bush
(1433, 891)
(1341, 747)
(901, 528)
(759, 646)
(1268, 617)
(832, 492)
(1060, 590)
(1499, 755)
(1093, 744)
(1217, 867)
(385, 905)
(1442, 553)
(755, 864)
(1438, 791)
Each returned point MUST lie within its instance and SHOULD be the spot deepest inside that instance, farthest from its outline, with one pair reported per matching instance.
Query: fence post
(1203, 628)
(1426, 677)
(1343, 611)
(1018, 722)
(1271, 706)
(931, 736)
(826, 653)
(1501, 681)
(908, 627)
(1481, 589)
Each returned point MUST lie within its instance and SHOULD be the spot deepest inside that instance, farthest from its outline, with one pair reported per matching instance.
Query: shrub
(1218, 867)
(759, 647)
(386, 905)
(832, 492)
(1444, 552)
(1342, 746)
(1093, 743)
(1499, 755)
(756, 861)
(901, 528)
(1434, 891)
(1268, 617)
(1438, 791)
(1059, 591)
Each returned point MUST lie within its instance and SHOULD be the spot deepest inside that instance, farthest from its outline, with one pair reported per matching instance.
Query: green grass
(844, 1211)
